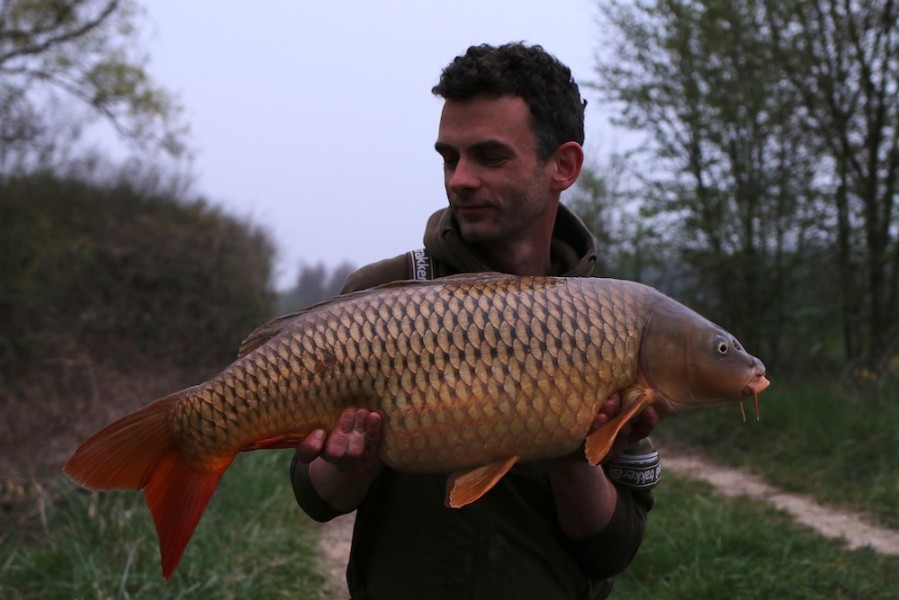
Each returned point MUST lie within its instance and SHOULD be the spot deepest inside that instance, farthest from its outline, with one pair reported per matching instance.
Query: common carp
(470, 374)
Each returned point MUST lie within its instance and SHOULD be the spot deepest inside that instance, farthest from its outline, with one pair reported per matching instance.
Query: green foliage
(700, 546)
(734, 192)
(842, 60)
(774, 161)
(99, 265)
(253, 542)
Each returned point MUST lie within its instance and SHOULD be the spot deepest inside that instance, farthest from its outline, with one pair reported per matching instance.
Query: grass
(830, 441)
(701, 546)
(253, 542)
(837, 442)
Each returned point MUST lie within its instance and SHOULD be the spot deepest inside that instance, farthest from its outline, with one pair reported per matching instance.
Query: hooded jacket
(572, 253)
(508, 544)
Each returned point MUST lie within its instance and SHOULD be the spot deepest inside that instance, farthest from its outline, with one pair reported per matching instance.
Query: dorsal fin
(264, 333)
(271, 329)
(459, 277)
(475, 276)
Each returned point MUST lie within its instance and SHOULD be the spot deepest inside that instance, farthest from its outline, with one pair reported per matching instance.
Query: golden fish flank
(470, 375)
(520, 347)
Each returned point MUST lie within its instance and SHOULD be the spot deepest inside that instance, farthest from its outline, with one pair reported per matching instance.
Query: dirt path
(334, 553)
(827, 521)
(334, 542)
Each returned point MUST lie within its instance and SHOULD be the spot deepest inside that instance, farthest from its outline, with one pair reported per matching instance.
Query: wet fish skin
(462, 372)
(470, 374)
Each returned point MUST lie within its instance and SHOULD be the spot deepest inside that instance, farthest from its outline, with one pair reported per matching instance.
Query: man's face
(498, 190)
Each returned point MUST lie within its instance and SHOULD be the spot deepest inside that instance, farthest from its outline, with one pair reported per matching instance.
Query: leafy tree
(628, 245)
(734, 177)
(53, 51)
(841, 57)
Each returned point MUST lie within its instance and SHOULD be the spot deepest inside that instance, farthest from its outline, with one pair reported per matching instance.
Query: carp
(470, 374)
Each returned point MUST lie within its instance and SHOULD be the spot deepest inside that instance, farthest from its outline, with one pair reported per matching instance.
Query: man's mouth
(470, 210)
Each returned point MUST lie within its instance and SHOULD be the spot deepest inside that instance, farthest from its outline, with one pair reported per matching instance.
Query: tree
(314, 284)
(53, 51)
(842, 59)
(628, 245)
(735, 181)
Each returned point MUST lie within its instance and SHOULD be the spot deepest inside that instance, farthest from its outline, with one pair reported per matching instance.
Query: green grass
(699, 545)
(837, 442)
(253, 542)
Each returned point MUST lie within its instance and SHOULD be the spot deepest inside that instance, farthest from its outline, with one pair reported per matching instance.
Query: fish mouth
(756, 386)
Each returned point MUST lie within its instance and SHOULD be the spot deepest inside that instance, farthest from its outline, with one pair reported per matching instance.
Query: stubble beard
(503, 222)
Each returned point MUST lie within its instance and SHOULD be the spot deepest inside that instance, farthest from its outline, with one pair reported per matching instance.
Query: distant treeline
(314, 283)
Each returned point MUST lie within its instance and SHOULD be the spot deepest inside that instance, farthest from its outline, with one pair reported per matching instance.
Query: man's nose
(462, 177)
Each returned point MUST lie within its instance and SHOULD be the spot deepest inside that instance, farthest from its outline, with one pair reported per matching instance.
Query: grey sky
(315, 119)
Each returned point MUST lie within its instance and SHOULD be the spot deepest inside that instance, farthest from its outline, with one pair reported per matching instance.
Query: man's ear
(567, 161)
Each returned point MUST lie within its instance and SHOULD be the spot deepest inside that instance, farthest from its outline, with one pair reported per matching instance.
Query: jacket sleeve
(307, 497)
(610, 551)
(635, 473)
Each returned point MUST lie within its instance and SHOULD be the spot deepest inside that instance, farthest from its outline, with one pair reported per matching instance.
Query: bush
(179, 279)
(110, 296)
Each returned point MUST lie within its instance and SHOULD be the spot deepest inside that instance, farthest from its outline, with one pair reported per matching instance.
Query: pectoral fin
(465, 487)
(599, 443)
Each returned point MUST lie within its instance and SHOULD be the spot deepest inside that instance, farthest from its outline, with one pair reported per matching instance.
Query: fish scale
(469, 374)
(432, 360)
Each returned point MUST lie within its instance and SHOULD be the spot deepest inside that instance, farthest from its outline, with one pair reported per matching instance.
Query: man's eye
(493, 159)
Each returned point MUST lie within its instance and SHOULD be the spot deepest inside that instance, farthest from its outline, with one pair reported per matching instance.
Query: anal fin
(600, 442)
(465, 487)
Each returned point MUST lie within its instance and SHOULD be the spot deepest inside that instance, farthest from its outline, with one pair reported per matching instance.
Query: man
(510, 135)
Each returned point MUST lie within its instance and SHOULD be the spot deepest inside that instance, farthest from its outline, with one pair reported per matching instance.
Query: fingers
(644, 424)
(611, 405)
(631, 432)
(311, 446)
(353, 444)
(349, 439)
(607, 411)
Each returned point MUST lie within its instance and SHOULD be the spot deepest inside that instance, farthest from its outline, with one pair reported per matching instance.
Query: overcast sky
(315, 119)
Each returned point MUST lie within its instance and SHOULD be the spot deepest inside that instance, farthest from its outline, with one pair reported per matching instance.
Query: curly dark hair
(557, 111)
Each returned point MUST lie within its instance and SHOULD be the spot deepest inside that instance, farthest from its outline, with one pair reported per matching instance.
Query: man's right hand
(343, 464)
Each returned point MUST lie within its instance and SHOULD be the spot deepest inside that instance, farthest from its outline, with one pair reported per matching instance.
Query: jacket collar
(573, 250)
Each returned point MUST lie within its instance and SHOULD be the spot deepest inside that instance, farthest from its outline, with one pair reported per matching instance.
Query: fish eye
(721, 347)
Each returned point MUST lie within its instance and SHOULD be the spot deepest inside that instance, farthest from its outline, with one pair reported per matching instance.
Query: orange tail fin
(139, 452)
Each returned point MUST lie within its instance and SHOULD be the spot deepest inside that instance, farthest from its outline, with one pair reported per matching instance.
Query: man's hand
(585, 498)
(633, 431)
(343, 464)
(351, 446)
